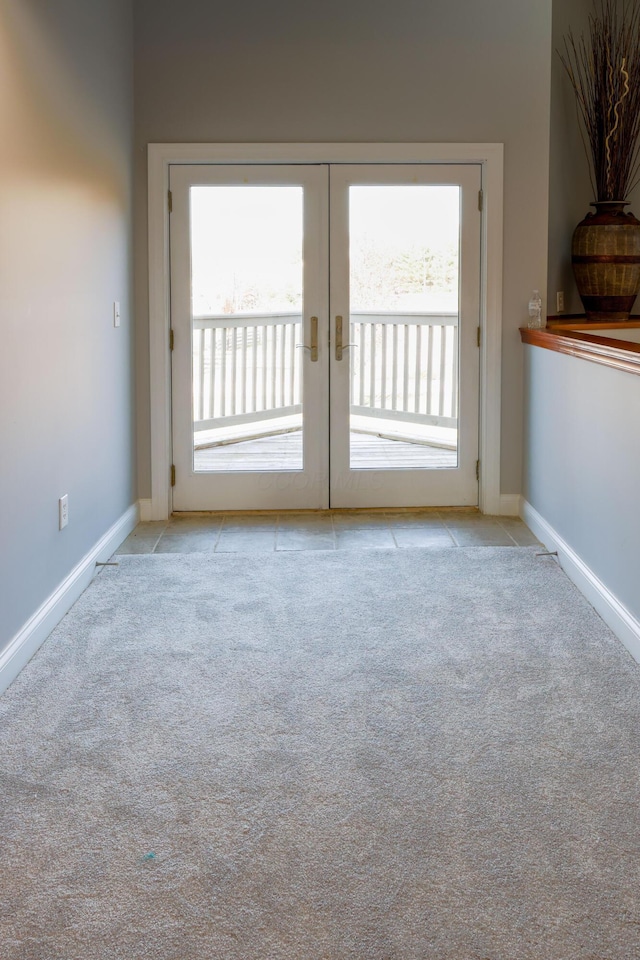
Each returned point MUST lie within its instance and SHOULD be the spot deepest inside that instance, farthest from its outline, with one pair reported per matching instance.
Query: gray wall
(367, 70)
(582, 473)
(569, 186)
(584, 463)
(570, 191)
(66, 375)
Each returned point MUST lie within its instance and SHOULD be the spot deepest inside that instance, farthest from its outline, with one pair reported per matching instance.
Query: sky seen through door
(247, 243)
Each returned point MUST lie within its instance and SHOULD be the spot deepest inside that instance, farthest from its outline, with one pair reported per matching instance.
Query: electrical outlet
(63, 511)
(560, 301)
(116, 314)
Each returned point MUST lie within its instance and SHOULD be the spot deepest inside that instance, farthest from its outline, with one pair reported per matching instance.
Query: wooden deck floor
(284, 452)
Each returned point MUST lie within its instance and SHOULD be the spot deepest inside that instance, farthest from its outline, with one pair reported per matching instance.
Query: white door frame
(160, 158)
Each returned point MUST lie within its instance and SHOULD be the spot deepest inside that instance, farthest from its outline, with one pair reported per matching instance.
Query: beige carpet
(382, 755)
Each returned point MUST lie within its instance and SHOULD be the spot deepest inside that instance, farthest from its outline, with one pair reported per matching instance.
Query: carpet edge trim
(35, 631)
(617, 617)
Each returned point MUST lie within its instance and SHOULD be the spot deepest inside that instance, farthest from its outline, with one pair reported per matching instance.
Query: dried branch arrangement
(604, 70)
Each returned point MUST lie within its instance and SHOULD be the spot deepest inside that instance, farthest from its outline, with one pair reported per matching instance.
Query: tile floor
(326, 530)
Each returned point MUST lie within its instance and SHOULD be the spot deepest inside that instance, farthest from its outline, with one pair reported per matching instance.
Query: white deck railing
(405, 367)
(247, 369)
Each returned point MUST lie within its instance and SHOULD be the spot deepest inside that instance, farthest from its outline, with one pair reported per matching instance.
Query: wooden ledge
(619, 354)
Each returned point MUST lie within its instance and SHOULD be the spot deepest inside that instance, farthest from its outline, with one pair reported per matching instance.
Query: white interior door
(314, 369)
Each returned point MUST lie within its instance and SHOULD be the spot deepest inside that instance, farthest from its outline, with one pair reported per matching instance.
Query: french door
(324, 324)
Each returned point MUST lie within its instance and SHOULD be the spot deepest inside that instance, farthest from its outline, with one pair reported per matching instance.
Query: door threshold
(331, 510)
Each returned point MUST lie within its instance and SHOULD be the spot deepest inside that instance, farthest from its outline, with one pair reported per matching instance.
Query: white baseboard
(36, 630)
(153, 510)
(510, 504)
(146, 510)
(615, 615)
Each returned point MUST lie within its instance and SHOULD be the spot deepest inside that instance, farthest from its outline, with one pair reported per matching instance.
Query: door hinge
(172, 339)
(173, 474)
(480, 199)
(477, 469)
(479, 337)
(170, 201)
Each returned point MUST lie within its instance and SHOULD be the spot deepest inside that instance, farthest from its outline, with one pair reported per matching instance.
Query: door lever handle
(313, 349)
(340, 346)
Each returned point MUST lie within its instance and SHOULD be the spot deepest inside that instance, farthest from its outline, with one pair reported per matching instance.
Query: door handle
(340, 346)
(313, 349)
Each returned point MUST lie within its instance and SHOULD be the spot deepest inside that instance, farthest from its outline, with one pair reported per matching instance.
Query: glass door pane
(246, 314)
(404, 256)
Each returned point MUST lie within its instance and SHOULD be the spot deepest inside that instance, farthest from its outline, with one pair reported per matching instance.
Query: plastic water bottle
(535, 311)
